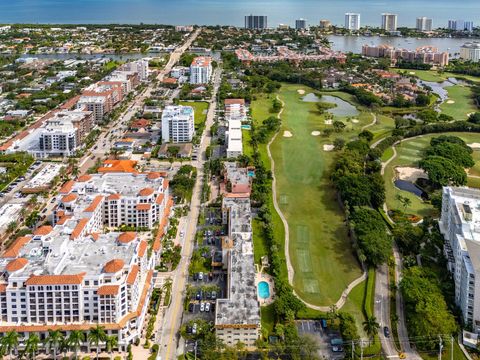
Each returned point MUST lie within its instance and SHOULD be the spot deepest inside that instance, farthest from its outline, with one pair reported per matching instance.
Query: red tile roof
(55, 279)
(146, 192)
(143, 207)
(67, 187)
(153, 175)
(43, 230)
(142, 247)
(16, 264)
(78, 228)
(69, 198)
(114, 197)
(132, 275)
(114, 266)
(93, 206)
(127, 237)
(84, 178)
(108, 290)
(14, 249)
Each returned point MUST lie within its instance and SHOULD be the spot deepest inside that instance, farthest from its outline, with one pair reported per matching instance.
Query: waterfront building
(460, 226)
(201, 70)
(460, 25)
(424, 24)
(139, 66)
(255, 22)
(423, 54)
(470, 51)
(178, 124)
(389, 22)
(325, 24)
(300, 24)
(352, 21)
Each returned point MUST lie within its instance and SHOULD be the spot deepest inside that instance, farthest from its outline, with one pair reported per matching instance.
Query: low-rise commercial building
(178, 124)
(43, 180)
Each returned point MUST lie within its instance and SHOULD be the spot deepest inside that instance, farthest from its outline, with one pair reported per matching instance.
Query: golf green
(320, 250)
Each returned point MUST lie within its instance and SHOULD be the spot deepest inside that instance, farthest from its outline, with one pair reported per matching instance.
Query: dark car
(188, 329)
(195, 276)
(190, 307)
(199, 295)
(209, 295)
(386, 331)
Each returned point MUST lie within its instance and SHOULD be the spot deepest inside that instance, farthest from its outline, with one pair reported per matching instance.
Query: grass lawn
(267, 314)
(382, 128)
(446, 354)
(354, 306)
(320, 249)
(387, 154)
(200, 108)
(463, 103)
(258, 241)
(408, 154)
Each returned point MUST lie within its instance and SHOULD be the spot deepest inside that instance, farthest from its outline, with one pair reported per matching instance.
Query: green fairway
(409, 152)
(320, 250)
(200, 108)
(435, 76)
(459, 103)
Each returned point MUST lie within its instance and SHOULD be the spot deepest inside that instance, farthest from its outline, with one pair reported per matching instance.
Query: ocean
(231, 12)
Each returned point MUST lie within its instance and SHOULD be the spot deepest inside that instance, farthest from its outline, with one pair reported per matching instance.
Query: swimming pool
(246, 127)
(263, 290)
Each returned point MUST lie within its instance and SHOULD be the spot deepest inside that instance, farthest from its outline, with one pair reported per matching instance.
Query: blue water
(246, 127)
(263, 290)
(409, 186)
(230, 12)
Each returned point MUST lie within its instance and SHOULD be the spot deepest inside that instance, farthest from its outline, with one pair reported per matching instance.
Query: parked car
(198, 296)
(200, 276)
(202, 307)
(386, 331)
(207, 307)
(190, 307)
(188, 329)
(194, 328)
(214, 295)
(195, 277)
(209, 295)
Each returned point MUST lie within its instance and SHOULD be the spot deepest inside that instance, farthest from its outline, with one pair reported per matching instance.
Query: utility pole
(440, 347)
(353, 348)
(361, 349)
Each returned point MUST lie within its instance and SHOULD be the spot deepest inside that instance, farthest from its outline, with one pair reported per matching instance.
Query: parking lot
(323, 337)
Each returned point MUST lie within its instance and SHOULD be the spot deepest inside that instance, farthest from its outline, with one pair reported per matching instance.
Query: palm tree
(10, 342)
(371, 326)
(75, 340)
(54, 341)
(111, 342)
(31, 345)
(97, 335)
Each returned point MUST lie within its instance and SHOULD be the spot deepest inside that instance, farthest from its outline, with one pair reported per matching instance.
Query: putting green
(320, 250)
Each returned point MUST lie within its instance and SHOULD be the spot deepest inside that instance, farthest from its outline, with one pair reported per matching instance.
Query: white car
(207, 307)
(202, 307)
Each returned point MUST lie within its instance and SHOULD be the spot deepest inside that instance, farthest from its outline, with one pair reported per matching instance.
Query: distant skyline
(232, 12)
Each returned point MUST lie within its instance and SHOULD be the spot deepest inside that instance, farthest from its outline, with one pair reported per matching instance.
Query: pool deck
(269, 280)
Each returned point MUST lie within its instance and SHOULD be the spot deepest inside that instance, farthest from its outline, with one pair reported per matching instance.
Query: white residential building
(139, 66)
(389, 22)
(74, 277)
(424, 24)
(470, 51)
(352, 21)
(235, 109)
(233, 138)
(201, 70)
(237, 318)
(460, 225)
(58, 139)
(95, 104)
(178, 124)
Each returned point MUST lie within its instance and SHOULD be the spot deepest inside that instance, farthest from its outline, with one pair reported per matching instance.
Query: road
(382, 310)
(172, 319)
(114, 131)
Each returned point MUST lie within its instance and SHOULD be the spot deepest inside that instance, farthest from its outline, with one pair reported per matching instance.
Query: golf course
(320, 251)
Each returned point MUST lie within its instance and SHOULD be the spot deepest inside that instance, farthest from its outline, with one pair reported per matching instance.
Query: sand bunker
(328, 122)
(328, 147)
(474, 145)
(301, 92)
(355, 121)
(315, 133)
(410, 173)
(287, 134)
(450, 102)
(412, 72)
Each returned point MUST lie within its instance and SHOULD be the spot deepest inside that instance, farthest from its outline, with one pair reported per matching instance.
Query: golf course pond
(342, 108)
